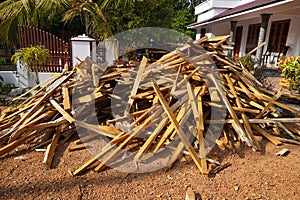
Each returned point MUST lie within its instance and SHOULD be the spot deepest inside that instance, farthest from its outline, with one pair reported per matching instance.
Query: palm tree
(26, 12)
(91, 16)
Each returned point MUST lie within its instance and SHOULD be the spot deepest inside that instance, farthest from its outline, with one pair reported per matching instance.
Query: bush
(247, 62)
(2, 60)
(291, 72)
(5, 88)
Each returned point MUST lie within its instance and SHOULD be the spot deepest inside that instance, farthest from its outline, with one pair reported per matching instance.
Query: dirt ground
(252, 175)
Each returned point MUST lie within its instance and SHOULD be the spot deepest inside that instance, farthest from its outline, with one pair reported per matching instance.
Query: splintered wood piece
(151, 139)
(51, 148)
(266, 135)
(94, 74)
(77, 148)
(244, 117)
(193, 102)
(190, 195)
(179, 149)
(183, 110)
(137, 81)
(236, 125)
(177, 127)
(248, 110)
(66, 99)
(35, 107)
(62, 111)
(108, 131)
(51, 79)
(255, 121)
(12, 145)
(122, 137)
(282, 152)
(287, 130)
(33, 120)
(202, 152)
(132, 134)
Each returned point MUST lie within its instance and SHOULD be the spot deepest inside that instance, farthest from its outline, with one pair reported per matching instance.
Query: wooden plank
(193, 102)
(244, 117)
(64, 113)
(34, 108)
(95, 75)
(135, 86)
(108, 131)
(29, 126)
(200, 137)
(53, 78)
(77, 148)
(48, 158)
(66, 99)
(249, 110)
(137, 130)
(178, 128)
(151, 139)
(266, 134)
(287, 131)
(113, 142)
(183, 110)
(256, 121)
(14, 144)
(236, 125)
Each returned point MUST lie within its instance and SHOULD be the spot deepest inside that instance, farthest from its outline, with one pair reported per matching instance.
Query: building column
(232, 35)
(262, 35)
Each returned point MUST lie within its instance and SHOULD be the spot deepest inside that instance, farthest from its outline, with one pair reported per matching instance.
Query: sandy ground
(252, 175)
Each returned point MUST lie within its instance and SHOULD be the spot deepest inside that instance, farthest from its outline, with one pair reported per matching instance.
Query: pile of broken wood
(177, 103)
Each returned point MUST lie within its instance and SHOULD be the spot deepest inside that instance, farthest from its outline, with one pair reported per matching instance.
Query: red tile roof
(238, 9)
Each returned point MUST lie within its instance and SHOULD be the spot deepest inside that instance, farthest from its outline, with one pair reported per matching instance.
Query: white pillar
(82, 46)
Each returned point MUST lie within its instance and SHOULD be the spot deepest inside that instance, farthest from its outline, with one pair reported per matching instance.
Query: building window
(278, 35)
(252, 38)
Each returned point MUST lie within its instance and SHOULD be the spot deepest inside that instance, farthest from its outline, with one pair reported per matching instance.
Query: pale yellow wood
(48, 158)
(66, 98)
(151, 139)
(66, 115)
(244, 117)
(266, 134)
(108, 131)
(256, 121)
(236, 125)
(178, 128)
(95, 75)
(38, 104)
(193, 101)
(135, 86)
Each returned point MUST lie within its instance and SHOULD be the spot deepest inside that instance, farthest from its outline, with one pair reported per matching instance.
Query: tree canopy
(97, 18)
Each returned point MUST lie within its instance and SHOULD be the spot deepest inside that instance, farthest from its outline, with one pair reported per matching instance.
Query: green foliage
(2, 60)
(247, 62)
(31, 56)
(35, 55)
(291, 71)
(5, 88)
(99, 18)
(35, 13)
(180, 20)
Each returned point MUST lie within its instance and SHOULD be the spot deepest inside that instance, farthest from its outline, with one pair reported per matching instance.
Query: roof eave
(238, 14)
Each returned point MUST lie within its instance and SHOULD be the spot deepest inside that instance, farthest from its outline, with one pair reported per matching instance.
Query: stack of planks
(178, 103)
